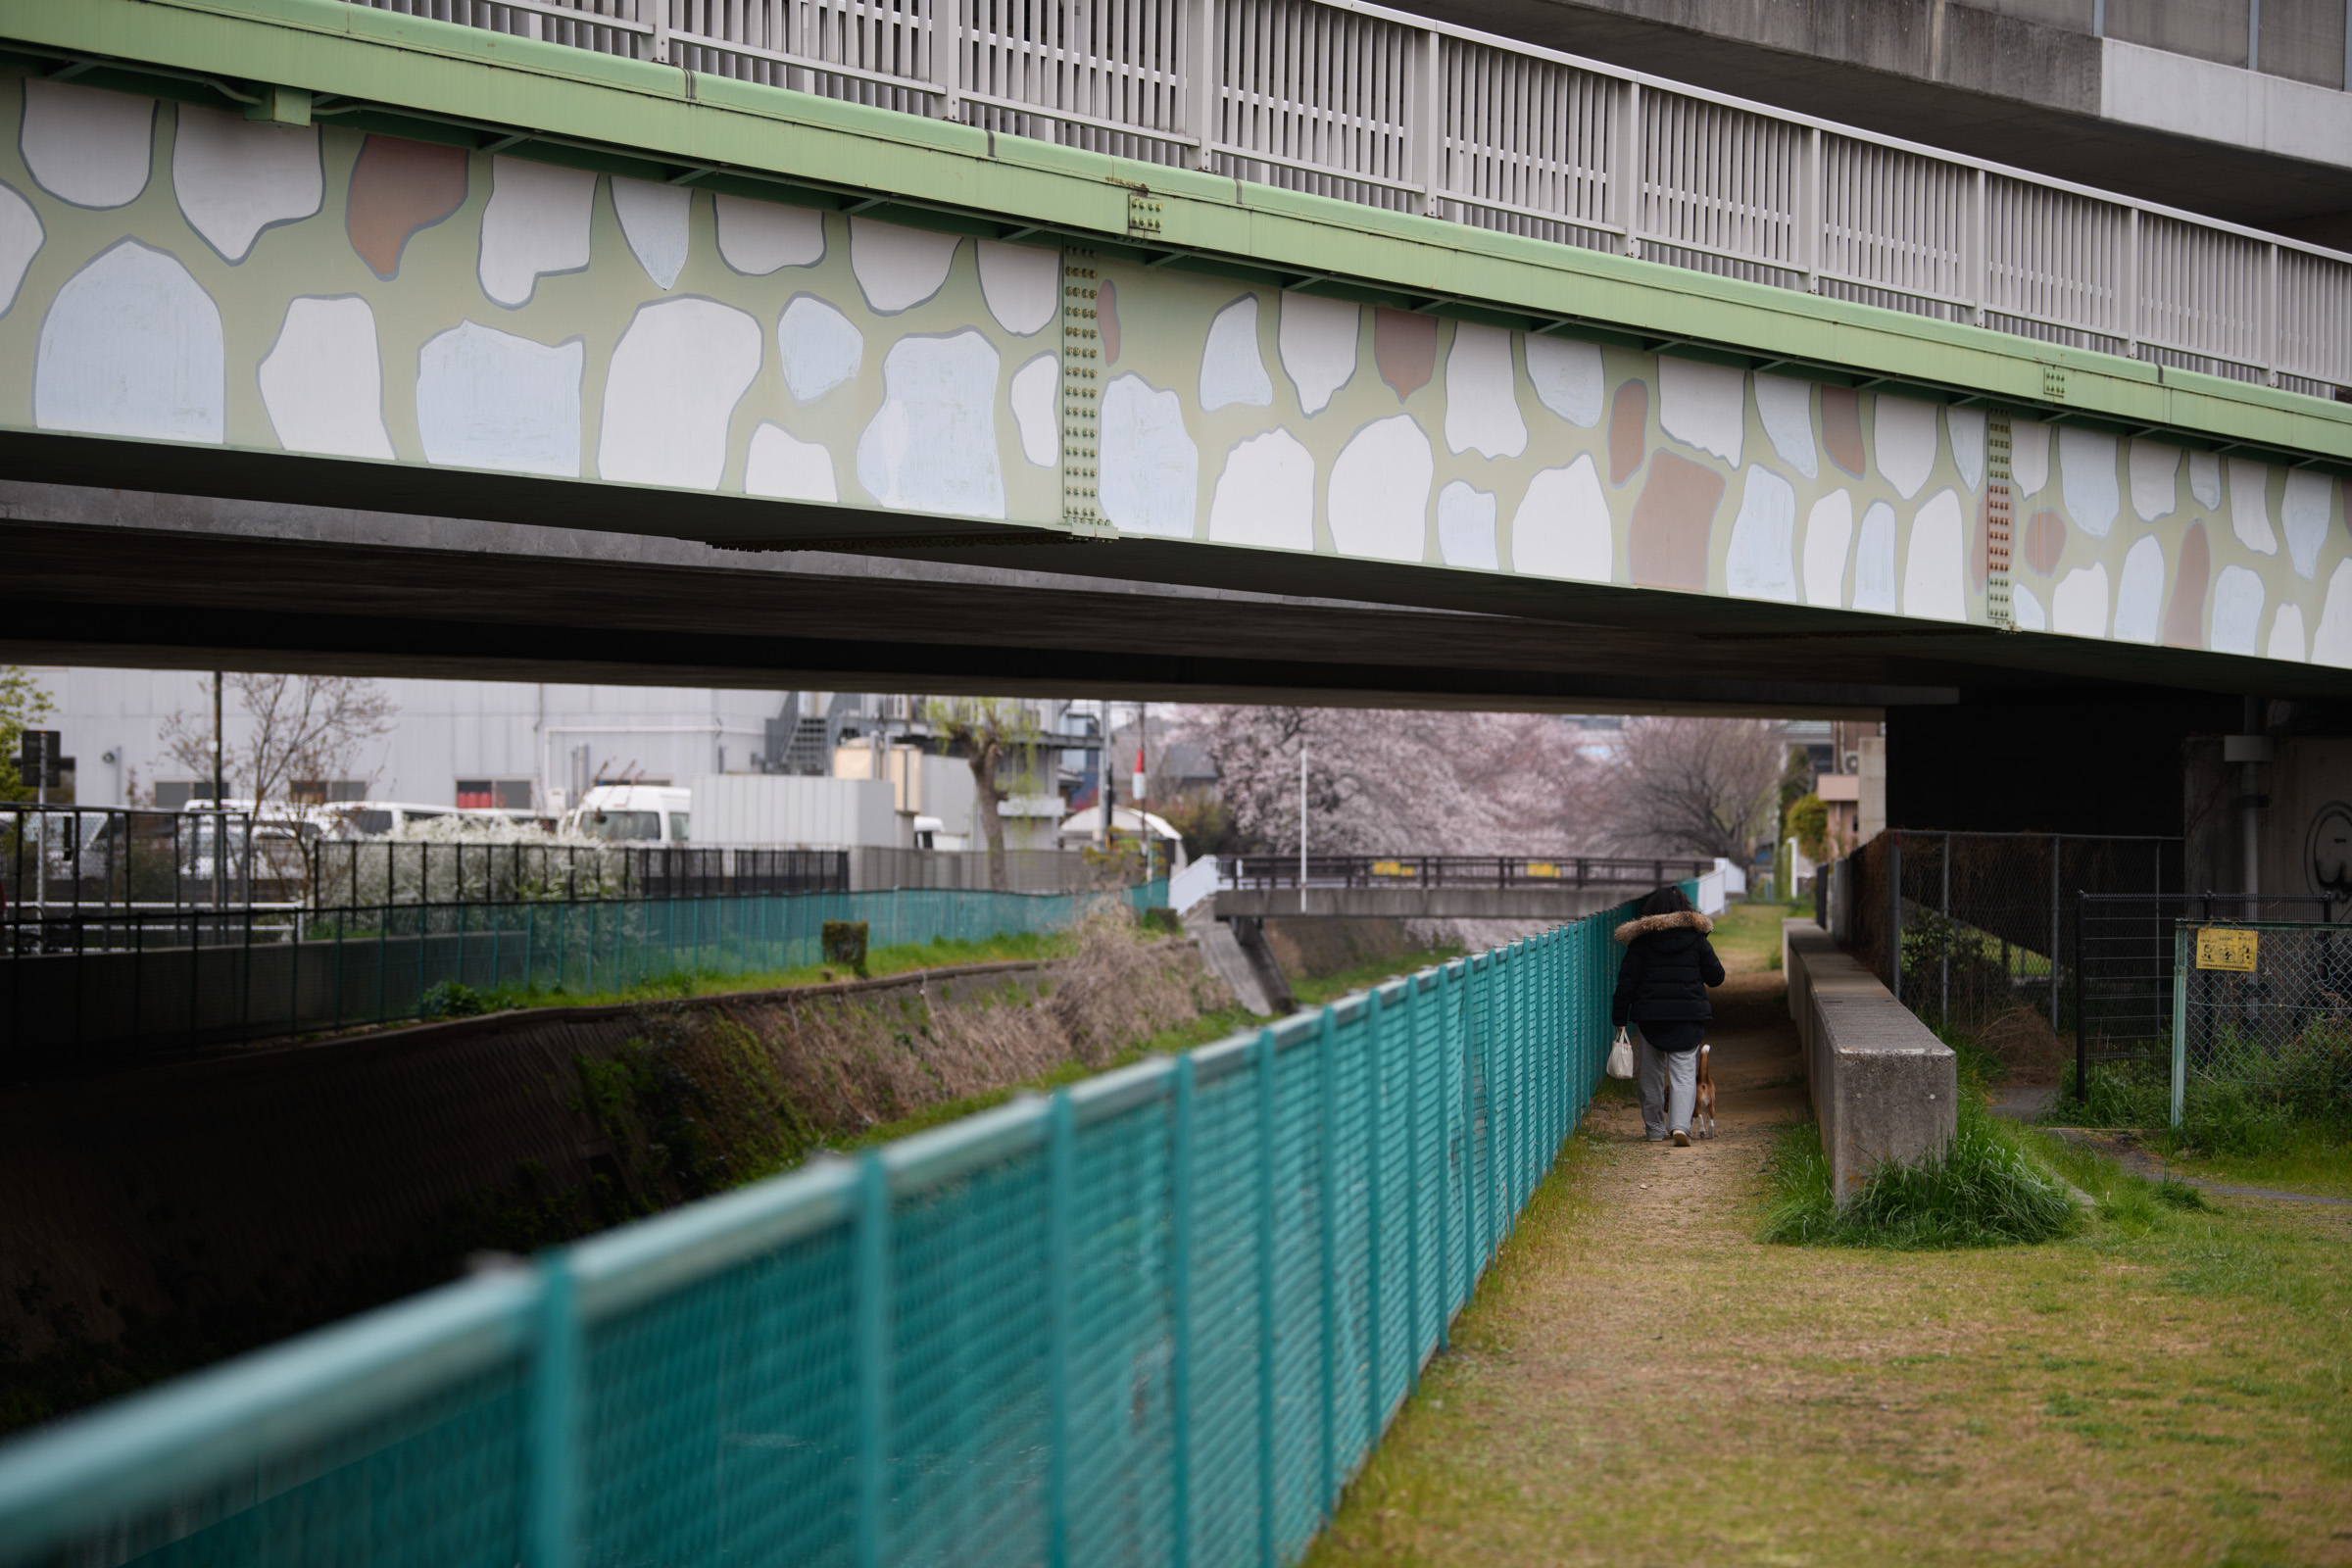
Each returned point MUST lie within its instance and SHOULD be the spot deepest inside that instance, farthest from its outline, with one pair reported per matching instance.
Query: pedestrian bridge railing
(1370, 105)
(1159, 1318)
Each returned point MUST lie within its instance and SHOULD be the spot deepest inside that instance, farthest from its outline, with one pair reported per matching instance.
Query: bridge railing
(1376, 106)
(1459, 871)
(1161, 1317)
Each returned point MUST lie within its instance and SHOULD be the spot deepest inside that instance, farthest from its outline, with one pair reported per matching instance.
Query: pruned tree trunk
(990, 797)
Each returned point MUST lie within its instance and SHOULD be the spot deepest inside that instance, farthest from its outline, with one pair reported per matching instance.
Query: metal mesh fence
(112, 985)
(1962, 926)
(2265, 1010)
(1159, 1317)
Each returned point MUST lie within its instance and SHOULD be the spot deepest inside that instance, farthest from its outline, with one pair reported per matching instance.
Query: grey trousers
(1669, 1086)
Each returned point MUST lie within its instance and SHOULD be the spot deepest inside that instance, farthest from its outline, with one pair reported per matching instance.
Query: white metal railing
(1376, 106)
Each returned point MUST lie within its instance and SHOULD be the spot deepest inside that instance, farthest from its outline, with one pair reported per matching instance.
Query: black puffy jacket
(1662, 983)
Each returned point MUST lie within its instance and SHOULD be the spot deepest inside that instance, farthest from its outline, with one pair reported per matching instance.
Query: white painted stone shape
(487, 398)
(234, 178)
(132, 346)
(932, 445)
(323, 382)
(670, 398)
(536, 222)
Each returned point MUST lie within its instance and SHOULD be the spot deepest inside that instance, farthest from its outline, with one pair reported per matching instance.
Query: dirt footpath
(1642, 1380)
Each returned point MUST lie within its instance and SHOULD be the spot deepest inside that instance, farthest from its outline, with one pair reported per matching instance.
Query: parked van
(369, 819)
(633, 813)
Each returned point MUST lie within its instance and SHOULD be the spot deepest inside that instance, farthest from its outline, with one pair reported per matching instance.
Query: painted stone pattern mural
(178, 274)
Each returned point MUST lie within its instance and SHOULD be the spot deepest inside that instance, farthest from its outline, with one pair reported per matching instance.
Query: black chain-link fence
(1968, 926)
(1980, 932)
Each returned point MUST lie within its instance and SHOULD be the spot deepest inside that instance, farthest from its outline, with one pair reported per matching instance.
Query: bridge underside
(327, 398)
(113, 577)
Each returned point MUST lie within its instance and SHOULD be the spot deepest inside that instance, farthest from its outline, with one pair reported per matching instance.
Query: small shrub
(2179, 1195)
(452, 999)
(1984, 1191)
(845, 944)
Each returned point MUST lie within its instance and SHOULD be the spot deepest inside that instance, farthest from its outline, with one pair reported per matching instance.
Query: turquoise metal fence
(242, 975)
(1159, 1317)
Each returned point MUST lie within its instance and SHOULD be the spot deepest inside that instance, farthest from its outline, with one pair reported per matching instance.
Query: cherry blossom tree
(1399, 782)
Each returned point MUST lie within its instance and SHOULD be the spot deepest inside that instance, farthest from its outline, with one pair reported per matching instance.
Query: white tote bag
(1621, 1057)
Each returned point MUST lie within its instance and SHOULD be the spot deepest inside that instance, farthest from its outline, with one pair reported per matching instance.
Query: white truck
(633, 813)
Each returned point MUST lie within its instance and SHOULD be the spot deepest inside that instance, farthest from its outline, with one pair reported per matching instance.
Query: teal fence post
(1327, 1203)
(555, 1416)
(2180, 1020)
(1061, 1179)
(1445, 1157)
(872, 1357)
(1374, 1080)
(1554, 1069)
(1180, 1321)
(1470, 1170)
(1266, 1297)
(1515, 1085)
(1412, 1190)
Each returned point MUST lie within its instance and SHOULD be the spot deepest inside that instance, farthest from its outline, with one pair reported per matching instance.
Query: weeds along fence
(2264, 1011)
(1161, 1317)
(116, 985)
(1962, 926)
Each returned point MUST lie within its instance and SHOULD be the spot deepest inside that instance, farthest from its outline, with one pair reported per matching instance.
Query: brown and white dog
(1702, 1117)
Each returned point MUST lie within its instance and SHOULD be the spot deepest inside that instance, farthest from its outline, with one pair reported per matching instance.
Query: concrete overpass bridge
(1255, 346)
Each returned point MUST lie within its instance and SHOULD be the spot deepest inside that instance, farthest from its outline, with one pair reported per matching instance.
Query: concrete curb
(1885, 1089)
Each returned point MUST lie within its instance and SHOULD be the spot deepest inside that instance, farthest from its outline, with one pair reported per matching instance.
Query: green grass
(1314, 990)
(459, 1001)
(1751, 932)
(2256, 1135)
(1640, 1379)
(1987, 1190)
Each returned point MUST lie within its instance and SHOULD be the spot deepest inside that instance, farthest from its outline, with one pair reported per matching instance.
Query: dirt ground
(1641, 1381)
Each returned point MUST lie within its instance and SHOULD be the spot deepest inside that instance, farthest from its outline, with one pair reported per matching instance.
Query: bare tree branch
(1694, 786)
(299, 729)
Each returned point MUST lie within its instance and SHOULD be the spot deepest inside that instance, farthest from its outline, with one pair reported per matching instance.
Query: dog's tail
(1703, 1050)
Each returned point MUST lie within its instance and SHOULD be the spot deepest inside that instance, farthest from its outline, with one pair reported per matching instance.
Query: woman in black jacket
(1661, 994)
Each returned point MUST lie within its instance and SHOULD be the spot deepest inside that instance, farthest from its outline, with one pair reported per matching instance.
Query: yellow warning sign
(2218, 948)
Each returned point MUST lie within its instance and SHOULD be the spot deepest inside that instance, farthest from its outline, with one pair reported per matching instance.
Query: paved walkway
(2123, 1145)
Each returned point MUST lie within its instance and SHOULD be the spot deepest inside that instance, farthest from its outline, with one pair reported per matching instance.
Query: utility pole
(220, 809)
(1109, 791)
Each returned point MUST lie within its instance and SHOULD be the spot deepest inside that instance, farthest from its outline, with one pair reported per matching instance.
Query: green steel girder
(571, 105)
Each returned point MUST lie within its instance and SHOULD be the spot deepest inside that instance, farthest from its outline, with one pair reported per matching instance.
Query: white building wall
(443, 731)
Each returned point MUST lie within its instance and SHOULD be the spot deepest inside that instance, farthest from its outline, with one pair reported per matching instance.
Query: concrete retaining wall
(1885, 1089)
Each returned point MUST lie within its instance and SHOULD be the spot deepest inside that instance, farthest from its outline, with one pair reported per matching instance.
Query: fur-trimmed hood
(1681, 919)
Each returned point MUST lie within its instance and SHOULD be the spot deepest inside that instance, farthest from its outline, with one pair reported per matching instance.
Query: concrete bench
(1885, 1089)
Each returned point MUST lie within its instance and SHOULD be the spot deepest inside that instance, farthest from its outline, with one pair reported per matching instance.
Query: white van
(369, 819)
(633, 813)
